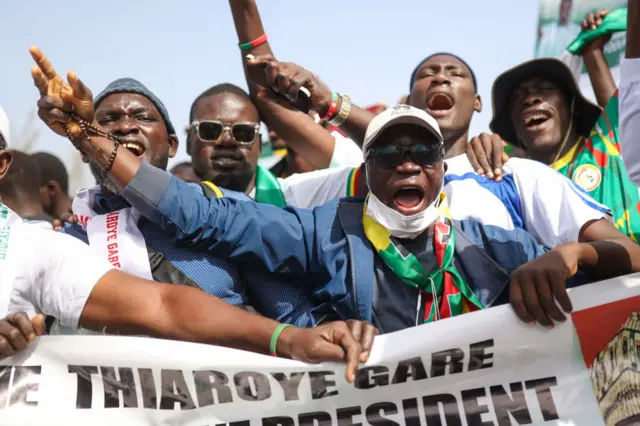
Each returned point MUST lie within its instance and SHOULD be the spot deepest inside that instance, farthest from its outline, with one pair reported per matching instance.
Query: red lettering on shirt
(112, 237)
(113, 246)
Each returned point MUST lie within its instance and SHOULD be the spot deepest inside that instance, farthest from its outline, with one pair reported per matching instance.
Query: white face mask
(399, 225)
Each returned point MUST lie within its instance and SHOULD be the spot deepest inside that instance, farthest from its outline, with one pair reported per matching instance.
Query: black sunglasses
(391, 156)
(211, 131)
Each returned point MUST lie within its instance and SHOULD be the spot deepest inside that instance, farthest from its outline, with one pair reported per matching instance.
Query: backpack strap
(211, 190)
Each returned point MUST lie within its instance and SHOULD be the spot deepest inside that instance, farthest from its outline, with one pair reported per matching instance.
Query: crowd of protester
(361, 221)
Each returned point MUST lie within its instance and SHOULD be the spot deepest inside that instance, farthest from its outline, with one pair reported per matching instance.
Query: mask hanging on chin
(399, 225)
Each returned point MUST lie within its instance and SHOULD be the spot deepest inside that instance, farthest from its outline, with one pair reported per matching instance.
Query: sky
(365, 48)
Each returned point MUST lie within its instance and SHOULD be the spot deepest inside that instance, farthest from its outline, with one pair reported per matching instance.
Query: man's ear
(478, 104)
(6, 158)
(173, 145)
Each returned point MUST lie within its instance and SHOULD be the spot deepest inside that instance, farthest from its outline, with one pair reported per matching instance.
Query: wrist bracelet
(255, 43)
(85, 126)
(343, 114)
(332, 107)
(274, 338)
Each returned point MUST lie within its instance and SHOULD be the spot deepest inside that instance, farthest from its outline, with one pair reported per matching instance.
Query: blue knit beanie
(129, 85)
(416, 69)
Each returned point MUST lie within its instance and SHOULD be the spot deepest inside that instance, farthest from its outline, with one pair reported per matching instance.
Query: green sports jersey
(594, 163)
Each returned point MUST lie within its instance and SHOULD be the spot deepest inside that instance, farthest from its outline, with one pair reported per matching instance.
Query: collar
(566, 158)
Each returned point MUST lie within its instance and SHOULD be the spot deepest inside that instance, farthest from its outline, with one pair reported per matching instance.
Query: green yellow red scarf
(447, 294)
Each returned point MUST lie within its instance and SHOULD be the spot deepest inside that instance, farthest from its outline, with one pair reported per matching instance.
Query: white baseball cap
(4, 126)
(399, 114)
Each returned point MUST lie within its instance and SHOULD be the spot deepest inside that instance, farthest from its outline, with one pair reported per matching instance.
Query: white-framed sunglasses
(243, 133)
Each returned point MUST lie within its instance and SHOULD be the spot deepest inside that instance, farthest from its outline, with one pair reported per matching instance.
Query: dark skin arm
(633, 29)
(537, 285)
(291, 124)
(124, 304)
(604, 86)
(297, 128)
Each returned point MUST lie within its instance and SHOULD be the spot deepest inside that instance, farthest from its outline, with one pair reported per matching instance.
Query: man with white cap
(395, 258)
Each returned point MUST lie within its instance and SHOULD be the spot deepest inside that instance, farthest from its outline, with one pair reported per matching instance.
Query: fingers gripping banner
(484, 368)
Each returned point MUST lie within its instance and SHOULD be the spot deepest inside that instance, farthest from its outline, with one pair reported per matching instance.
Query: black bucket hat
(585, 111)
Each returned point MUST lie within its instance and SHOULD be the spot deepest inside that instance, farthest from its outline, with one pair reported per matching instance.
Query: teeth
(134, 146)
(538, 116)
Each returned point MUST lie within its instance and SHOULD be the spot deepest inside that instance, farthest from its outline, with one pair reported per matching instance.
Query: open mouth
(136, 148)
(408, 198)
(440, 102)
(534, 120)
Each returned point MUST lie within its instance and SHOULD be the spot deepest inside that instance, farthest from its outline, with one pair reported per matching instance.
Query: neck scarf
(268, 190)
(447, 294)
(114, 236)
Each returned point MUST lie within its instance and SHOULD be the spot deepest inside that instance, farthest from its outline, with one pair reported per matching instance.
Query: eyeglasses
(212, 130)
(391, 156)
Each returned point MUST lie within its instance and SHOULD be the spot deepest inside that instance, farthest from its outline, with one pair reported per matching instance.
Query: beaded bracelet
(274, 338)
(345, 109)
(255, 43)
(332, 107)
(85, 126)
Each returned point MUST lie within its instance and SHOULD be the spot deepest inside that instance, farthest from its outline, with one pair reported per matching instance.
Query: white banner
(485, 368)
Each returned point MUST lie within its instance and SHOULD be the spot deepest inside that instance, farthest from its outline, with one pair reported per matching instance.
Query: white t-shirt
(345, 152)
(309, 190)
(531, 196)
(45, 272)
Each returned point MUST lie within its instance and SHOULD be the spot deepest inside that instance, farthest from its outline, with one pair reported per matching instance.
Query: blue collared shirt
(268, 294)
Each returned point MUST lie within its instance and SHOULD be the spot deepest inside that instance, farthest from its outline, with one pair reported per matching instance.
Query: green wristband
(274, 338)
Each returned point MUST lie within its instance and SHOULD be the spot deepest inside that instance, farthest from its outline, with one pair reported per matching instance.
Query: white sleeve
(309, 190)
(64, 272)
(554, 208)
(345, 152)
(629, 97)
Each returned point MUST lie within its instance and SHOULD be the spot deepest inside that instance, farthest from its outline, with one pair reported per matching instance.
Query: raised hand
(286, 78)
(59, 99)
(592, 22)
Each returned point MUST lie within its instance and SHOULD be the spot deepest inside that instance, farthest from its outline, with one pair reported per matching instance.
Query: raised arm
(630, 95)
(290, 123)
(244, 231)
(604, 86)
(306, 137)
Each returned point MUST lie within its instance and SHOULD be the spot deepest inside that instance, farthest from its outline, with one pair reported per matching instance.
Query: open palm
(59, 100)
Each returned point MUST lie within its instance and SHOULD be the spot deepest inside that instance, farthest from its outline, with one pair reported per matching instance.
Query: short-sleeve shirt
(45, 272)
(596, 166)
